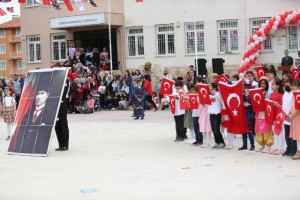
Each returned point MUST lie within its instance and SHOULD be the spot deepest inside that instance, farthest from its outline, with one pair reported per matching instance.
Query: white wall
(153, 12)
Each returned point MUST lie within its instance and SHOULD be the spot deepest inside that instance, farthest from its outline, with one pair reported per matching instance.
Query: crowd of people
(92, 88)
(210, 119)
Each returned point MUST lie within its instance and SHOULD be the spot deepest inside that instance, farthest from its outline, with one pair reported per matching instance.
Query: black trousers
(18, 97)
(179, 124)
(149, 99)
(291, 145)
(61, 126)
(215, 121)
(199, 135)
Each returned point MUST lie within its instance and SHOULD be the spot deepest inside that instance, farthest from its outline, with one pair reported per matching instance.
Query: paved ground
(111, 157)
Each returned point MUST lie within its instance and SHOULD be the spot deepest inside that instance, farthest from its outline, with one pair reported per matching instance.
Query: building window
(293, 33)
(2, 33)
(255, 24)
(18, 31)
(165, 40)
(30, 3)
(20, 65)
(59, 50)
(190, 38)
(34, 48)
(228, 36)
(2, 48)
(19, 48)
(2, 65)
(135, 41)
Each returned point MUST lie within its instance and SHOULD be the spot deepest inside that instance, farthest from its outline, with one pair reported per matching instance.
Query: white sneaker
(113, 109)
(266, 150)
(260, 149)
(191, 141)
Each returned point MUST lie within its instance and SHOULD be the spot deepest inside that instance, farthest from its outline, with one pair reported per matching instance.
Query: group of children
(211, 118)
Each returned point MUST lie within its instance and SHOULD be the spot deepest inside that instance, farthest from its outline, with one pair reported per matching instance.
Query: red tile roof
(14, 23)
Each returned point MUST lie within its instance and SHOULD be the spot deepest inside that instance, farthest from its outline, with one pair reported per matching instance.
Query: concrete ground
(112, 157)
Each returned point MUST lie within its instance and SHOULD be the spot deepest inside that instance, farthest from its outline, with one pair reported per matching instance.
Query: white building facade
(162, 32)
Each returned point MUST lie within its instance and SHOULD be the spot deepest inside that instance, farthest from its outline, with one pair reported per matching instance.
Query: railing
(15, 55)
(14, 38)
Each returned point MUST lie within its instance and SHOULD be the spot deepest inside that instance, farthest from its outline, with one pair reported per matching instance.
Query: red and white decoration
(271, 26)
(295, 73)
(281, 117)
(166, 86)
(257, 99)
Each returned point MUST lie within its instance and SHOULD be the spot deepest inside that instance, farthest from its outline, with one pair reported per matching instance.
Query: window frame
(3, 33)
(297, 37)
(166, 34)
(136, 36)
(3, 61)
(18, 48)
(251, 20)
(59, 46)
(4, 49)
(18, 66)
(229, 30)
(18, 32)
(35, 4)
(186, 31)
(35, 53)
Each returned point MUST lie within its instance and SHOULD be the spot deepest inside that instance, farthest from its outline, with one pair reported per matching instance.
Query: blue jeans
(199, 136)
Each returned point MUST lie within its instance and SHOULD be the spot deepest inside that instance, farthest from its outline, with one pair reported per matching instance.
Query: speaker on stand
(217, 64)
(202, 70)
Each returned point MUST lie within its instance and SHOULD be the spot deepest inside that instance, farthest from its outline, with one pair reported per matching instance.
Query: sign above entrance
(75, 21)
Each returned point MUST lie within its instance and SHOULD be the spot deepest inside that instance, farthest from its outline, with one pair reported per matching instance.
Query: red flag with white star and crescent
(193, 99)
(233, 99)
(260, 71)
(221, 79)
(269, 111)
(257, 99)
(172, 103)
(203, 93)
(166, 86)
(281, 117)
(295, 73)
(297, 100)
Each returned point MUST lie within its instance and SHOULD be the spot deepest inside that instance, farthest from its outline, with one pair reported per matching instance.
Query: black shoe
(142, 117)
(243, 148)
(62, 149)
(133, 116)
(136, 118)
(285, 154)
(195, 143)
(252, 148)
(155, 109)
(291, 154)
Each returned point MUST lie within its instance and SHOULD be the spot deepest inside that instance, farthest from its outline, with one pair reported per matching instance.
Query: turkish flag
(281, 117)
(2, 12)
(139, 1)
(295, 73)
(10, 9)
(203, 93)
(46, 2)
(221, 78)
(260, 71)
(172, 103)
(257, 99)
(69, 5)
(233, 99)
(183, 101)
(269, 111)
(21, 1)
(297, 100)
(166, 86)
(193, 99)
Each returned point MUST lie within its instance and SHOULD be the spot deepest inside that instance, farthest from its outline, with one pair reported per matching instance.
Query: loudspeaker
(217, 64)
(201, 66)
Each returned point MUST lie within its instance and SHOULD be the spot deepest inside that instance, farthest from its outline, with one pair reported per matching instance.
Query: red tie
(35, 115)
